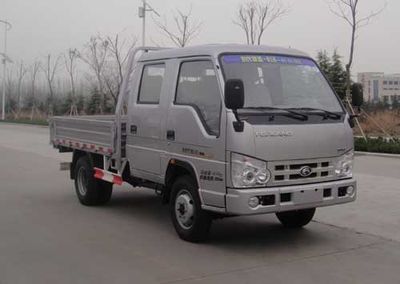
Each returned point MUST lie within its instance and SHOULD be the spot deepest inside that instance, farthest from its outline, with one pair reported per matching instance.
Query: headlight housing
(248, 172)
(344, 165)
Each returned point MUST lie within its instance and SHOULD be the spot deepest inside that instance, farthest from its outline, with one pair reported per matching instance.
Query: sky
(41, 27)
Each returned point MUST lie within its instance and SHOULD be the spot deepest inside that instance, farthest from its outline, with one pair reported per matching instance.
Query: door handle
(171, 135)
(133, 129)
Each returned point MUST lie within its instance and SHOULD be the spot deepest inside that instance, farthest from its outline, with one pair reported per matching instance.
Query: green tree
(80, 103)
(333, 69)
(94, 104)
(357, 94)
(338, 74)
(65, 106)
(395, 103)
(11, 105)
(324, 62)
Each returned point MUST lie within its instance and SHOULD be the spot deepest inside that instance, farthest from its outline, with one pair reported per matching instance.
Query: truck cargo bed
(89, 133)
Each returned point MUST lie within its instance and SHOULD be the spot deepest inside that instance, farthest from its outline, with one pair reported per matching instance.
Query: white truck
(217, 130)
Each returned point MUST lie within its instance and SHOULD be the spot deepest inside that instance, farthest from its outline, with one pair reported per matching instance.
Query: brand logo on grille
(305, 171)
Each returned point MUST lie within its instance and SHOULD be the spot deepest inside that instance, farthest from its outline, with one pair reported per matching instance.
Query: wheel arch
(95, 160)
(175, 169)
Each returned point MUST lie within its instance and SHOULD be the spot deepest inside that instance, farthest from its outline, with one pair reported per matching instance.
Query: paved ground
(46, 236)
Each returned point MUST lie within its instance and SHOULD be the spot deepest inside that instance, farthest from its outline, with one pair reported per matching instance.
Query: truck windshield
(281, 81)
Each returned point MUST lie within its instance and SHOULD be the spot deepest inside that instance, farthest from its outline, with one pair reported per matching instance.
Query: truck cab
(227, 130)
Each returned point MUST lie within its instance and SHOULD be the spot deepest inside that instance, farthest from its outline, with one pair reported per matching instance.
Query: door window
(198, 87)
(151, 83)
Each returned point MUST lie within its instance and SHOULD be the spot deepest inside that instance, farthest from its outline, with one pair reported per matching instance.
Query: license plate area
(307, 196)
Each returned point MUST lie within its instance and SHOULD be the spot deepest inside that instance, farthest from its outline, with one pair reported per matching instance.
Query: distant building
(380, 87)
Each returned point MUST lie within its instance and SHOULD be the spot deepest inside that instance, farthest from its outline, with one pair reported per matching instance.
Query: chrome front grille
(290, 172)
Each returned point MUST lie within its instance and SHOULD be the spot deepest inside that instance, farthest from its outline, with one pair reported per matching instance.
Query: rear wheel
(90, 191)
(296, 218)
(105, 191)
(190, 221)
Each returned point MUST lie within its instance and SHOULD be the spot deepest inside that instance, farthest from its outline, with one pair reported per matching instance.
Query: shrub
(378, 145)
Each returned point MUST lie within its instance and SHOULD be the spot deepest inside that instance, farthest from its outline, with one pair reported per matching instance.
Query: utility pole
(142, 14)
(7, 27)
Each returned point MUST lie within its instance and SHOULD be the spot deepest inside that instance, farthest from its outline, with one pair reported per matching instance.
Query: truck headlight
(248, 172)
(344, 165)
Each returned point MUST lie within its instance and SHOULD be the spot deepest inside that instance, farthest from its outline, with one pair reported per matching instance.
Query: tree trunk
(351, 56)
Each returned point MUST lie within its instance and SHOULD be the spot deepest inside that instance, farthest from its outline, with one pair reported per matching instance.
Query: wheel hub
(184, 209)
(82, 181)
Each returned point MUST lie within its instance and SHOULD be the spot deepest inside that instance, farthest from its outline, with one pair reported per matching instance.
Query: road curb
(384, 155)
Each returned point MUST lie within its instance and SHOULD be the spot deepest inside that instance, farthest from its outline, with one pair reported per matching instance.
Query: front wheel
(190, 221)
(296, 218)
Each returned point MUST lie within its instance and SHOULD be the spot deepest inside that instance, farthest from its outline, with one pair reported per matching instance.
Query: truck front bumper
(287, 198)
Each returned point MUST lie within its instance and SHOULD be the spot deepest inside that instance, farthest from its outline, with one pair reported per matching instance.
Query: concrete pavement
(46, 236)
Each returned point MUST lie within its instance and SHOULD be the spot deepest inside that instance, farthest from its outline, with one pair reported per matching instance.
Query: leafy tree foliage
(338, 74)
(324, 62)
(334, 70)
(97, 103)
(94, 104)
(396, 104)
(357, 94)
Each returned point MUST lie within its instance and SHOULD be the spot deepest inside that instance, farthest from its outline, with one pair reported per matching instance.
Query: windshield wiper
(289, 112)
(325, 113)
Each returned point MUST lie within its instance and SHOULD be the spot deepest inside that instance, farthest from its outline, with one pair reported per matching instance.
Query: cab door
(144, 135)
(195, 128)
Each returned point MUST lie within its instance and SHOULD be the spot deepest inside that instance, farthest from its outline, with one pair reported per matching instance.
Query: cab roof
(214, 50)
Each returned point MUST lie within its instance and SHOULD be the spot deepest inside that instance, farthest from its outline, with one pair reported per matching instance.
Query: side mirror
(234, 100)
(352, 119)
(234, 94)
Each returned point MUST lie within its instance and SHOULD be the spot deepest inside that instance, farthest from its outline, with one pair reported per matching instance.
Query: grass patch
(27, 121)
(378, 145)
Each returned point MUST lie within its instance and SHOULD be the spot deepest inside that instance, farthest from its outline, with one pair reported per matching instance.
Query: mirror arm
(238, 125)
(352, 116)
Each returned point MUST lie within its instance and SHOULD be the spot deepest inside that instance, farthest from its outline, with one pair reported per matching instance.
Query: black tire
(105, 190)
(90, 191)
(194, 227)
(296, 218)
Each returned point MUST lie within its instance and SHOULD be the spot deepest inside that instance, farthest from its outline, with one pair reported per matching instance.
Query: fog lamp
(350, 190)
(254, 202)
